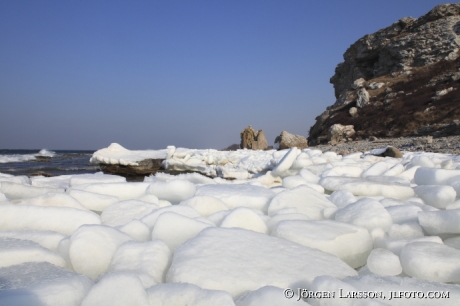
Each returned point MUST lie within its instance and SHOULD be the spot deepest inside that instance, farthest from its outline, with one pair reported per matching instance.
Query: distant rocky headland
(403, 80)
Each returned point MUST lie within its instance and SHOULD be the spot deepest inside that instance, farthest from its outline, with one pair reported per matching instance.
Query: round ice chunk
(59, 219)
(267, 296)
(350, 243)
(51, 199)
(92, 247)
(434, 176)
(19, 191)
(431, 261)
(286, 162)
(95, 178)
(173, 191)
(440, 222)
(376, 169)
(186, 211)
(366, 187)
(436, 196)
(138, 230)
(291, 182)
(342, 198)
(152, 258)
(453, 242)
(309, 176)
(237, 195)
(383, 262)
(205, 205)
(245, 218)
(238, 260)
(117, 289)
(367, 213)
(406, 230)
(187, 294)
(394, 171)
(91, 200)
(306, 200)
(16, 251)
(150, 198)
(47, 239)
(123, 212)
(395, 245)
(123, 191)
(422, 161)
(175, 229)
(273, 221)
(33, 284)
(404, 213)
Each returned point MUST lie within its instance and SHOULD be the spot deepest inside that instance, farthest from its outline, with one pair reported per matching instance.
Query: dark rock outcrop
(252, 139)
(400, 79)
(287, 140)
(144, 168)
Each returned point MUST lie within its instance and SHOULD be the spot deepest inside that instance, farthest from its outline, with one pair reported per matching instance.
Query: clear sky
(147, 74)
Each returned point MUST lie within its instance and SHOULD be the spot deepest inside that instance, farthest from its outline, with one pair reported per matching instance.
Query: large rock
(340, 133)
(144, 168)
(287, 140)
(394, 74)
(252, 139)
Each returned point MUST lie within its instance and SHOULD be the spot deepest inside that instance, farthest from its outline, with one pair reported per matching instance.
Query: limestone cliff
(401, 80)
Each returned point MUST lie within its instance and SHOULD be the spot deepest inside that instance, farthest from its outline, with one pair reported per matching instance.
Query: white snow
(150, 258)
(431, 261)
(187, 294)
(92, 247)
(239, 195)
(123, 212)
(41, 283)
(184, 229)
(367, 213)
(384, 262)
(15, 251)
(59, 219)
(301, 199)
(244, 218)
(205, 205)
(117, 289)
(238, 260)
(350, 243)
(173, 191)
(283, 219)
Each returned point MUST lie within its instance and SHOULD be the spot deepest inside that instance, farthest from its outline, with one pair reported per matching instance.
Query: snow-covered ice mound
(237, 260)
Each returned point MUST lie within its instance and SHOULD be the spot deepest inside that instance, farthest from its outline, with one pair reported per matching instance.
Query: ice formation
(283, 219)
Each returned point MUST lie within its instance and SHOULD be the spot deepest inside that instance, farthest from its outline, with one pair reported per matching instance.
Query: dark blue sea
(52, 162)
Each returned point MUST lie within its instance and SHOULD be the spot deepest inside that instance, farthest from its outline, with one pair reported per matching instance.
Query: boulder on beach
(287, 140)
(340, 133)
(253, 139)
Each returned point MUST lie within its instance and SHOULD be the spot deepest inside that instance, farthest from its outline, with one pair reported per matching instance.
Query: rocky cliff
(402, 80)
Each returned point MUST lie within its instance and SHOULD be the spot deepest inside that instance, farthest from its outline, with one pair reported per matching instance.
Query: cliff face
(401, 79)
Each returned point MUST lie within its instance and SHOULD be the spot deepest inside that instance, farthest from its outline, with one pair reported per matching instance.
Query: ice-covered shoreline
(291, 219)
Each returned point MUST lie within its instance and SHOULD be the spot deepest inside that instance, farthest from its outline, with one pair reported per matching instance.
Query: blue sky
(147, 74)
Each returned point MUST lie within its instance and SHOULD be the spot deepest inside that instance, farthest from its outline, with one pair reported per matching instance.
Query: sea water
(53, 162)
